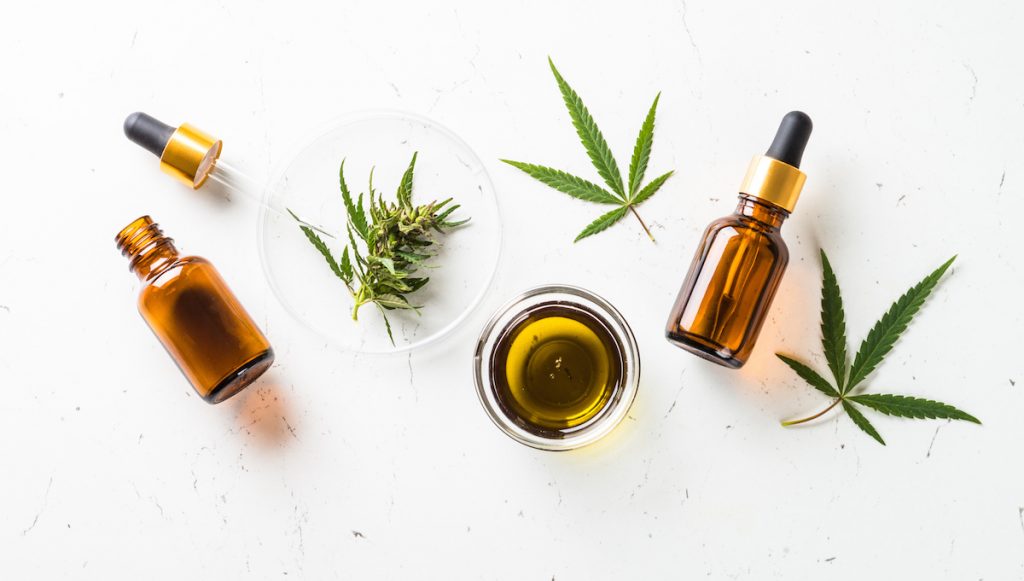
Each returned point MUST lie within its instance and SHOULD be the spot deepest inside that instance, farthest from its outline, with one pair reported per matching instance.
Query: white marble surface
(343, 467)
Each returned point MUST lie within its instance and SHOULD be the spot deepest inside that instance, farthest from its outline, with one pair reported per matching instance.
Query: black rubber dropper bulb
(791, 138)
(148, 132)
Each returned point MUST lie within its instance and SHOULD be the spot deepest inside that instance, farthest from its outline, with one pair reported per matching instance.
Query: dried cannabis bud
(397, 237)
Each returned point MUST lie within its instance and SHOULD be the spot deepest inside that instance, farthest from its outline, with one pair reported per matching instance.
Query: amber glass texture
(731, 283)
(194, 314)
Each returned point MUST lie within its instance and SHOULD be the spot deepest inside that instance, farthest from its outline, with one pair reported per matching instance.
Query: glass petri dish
(583, 303)
(307, 184)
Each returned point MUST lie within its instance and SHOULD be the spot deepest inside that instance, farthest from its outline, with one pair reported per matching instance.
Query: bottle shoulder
(739, 225)
(179, 263)
(170, 274)
(186, 261)
(741, 222)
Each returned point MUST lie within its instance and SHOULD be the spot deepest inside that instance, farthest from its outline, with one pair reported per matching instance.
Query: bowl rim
(621, 332)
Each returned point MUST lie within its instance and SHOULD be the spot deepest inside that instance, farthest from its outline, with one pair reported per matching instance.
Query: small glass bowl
(588, 303)
(307, 183)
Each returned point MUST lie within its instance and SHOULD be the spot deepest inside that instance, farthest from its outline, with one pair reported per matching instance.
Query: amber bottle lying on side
(740, 261)
(194, 314)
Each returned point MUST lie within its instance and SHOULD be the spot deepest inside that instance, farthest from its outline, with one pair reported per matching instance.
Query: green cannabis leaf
(397, 237)
(873, 349)
(626, 196)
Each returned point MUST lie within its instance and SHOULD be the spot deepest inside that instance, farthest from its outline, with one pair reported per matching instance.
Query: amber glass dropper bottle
(194, 314)
(739, 263)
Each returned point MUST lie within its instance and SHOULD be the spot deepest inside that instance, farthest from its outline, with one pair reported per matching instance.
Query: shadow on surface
(263, 416)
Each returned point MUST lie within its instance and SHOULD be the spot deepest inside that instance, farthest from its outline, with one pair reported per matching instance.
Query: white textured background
(343, 467)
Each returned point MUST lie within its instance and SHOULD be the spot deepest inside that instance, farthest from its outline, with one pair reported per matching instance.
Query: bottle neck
(761, 211)
(149, 252)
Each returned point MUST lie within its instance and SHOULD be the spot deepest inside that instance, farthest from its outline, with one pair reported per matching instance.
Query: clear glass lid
(308, 185)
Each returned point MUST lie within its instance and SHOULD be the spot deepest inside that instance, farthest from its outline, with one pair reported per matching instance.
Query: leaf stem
(360, 300)
(814, 417)
(649, 235)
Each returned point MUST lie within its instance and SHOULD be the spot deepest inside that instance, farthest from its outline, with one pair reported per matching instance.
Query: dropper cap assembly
(185, 153)
(775, 177)
(193, 156)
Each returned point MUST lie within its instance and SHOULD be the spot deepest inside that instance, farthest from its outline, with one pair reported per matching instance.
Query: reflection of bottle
(194, 314)
(740, 261)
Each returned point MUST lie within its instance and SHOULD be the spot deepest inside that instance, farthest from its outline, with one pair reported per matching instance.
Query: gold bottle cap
(190, 155)
(186, 153)
(773, 181)
(775, 177)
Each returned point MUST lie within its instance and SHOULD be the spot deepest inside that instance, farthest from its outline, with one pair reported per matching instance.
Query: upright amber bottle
(739, 263)
(194, 314)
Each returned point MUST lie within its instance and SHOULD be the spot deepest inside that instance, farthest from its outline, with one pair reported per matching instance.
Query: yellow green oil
(556, 369)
